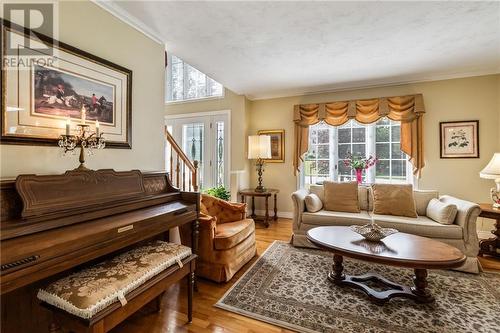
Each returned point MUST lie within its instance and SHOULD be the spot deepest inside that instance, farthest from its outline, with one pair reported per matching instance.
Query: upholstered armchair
(227, 239)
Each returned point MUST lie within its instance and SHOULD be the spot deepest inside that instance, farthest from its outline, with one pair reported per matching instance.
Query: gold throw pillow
(341, 197)
(397, 200)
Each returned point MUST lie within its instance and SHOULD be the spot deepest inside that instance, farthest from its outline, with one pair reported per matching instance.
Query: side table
(266, 195)
(491, 246)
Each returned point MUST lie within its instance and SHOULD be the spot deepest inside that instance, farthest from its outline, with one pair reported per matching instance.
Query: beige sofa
(462, 233)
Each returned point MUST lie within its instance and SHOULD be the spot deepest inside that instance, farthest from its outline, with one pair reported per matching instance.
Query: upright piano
(50, 225)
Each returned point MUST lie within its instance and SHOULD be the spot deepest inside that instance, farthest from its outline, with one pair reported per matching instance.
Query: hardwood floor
(207, 318)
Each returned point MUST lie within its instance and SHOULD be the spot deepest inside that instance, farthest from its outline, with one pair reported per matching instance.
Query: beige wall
(86, 26)
(239, 106)
(448, 100)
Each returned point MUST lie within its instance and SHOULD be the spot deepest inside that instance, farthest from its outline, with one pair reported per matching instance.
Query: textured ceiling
(271, 49)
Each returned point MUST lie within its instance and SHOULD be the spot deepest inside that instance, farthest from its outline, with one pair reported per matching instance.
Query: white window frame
(168, 80)
(370, 145)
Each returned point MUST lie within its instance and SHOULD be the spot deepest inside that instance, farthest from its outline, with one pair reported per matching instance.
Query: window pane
(323, 167)
(344, 135)
(359, 150)
(383, 121)
(310, 167)
(358, 134)
(396, 151)
(177, 84)
(396, 133)
(323, 151)
(382, 133)
(382, 150)
(344, 170)
(383, 169)
(214, 88)
(194, 84)
(196, 87)
(397, 169)
(344, 150)
(323, 136)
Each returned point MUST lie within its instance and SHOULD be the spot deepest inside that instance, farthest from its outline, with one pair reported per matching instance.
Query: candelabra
(83, 138)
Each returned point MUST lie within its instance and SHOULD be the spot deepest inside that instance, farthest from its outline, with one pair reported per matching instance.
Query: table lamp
(492, 171)
(259, 148)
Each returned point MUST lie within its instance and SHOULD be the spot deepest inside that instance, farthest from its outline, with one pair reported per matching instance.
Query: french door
(206, 140)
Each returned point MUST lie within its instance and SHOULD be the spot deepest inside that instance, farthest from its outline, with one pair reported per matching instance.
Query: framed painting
(42, 92)
(459, 139)
(277, 145)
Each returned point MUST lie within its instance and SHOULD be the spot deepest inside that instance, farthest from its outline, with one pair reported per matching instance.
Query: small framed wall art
(55, 85)
(277, 145)
(459, 139)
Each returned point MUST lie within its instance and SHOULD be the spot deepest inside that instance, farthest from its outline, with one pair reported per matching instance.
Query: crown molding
(377, 84)
(129, 19)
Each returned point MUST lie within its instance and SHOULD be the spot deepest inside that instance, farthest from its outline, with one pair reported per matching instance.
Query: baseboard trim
(286, 215)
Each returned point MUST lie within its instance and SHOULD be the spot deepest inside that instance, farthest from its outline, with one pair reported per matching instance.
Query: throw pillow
(397, 200)
(313, 203)
(422, 198)
(341, 197)
(441, 212)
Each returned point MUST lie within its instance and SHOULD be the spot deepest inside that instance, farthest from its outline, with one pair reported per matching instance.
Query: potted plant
(359, 164)
(219, 192)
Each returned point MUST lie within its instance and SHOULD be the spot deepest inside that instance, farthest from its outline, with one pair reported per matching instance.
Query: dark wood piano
(53, 224)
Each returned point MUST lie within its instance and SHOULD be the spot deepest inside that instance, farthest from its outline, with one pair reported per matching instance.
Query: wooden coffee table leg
(420, 290)
(337, 275)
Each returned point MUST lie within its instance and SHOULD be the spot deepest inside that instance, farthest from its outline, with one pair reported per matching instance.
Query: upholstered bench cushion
(90, 290)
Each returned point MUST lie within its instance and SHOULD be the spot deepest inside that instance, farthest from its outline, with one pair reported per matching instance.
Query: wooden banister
(181, 163)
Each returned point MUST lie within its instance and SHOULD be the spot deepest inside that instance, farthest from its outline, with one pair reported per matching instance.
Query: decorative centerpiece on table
(358, 164)
(372, 231)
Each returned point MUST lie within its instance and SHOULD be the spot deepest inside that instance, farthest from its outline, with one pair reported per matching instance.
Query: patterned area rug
(288, 287)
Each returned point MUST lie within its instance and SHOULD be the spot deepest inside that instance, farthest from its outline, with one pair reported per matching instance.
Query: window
(329, 147)
(185, 82)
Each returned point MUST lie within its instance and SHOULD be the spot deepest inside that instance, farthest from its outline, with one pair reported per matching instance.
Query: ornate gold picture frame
(277, 145)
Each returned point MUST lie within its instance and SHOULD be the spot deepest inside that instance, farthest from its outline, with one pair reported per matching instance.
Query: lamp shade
(259, 146)
(492, 170)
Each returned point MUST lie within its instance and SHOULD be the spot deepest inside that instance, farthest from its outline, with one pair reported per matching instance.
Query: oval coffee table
(399, 249)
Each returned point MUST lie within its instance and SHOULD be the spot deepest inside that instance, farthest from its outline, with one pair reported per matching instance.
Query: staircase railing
(183, 173)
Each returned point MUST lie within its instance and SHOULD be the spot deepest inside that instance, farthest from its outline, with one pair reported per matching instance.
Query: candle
(97, 128)
(84, 116)
(68, 124)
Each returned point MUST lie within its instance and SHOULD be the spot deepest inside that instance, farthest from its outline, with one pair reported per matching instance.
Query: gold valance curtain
(406, 109)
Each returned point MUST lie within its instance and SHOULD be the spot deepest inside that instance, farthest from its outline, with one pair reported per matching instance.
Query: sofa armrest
(467, 215)
(299, 206)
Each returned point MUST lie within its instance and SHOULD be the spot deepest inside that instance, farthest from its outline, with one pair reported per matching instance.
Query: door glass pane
(192, 141)
(219, 154)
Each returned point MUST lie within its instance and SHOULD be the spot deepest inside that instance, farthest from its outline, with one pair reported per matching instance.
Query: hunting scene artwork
(61, 94)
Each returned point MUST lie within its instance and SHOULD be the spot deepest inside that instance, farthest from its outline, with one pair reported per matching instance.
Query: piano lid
(43, 202)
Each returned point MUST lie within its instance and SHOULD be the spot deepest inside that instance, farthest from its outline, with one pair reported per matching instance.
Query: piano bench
(98, 298)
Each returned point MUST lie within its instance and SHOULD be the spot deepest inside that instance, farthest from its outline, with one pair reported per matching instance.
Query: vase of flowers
(359, 164)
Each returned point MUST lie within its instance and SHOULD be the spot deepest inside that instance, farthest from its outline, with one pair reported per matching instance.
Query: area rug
(288, 287)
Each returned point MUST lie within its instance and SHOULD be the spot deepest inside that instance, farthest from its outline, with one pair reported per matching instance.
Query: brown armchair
(227, 239)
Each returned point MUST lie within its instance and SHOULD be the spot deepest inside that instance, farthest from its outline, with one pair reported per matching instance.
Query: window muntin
(185, 82)
(381, 139)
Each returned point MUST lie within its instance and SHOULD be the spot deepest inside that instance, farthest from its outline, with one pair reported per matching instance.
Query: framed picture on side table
(459, 139)
(57, 84)
(277, 145)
